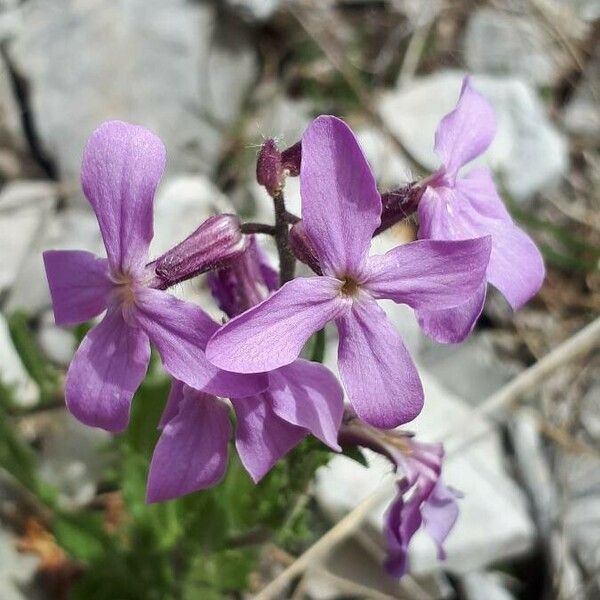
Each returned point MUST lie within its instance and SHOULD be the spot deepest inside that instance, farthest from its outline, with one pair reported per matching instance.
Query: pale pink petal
(180, 330)
(516, 265)
(453, 325)
(261, 437)
(430, 274)
(440, 512)
(466, 132)
(105, 372)
(479, 189)
(307, 394)
(341, 207)
(378, 374)
(79, 285)
(191, 453)
(122, 165)
(273, 333)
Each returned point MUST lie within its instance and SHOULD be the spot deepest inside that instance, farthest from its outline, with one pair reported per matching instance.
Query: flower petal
(105, 372)
(378, 374)
(467, 131)
(479, 189)
(122, 165)
(273, 333)
(401, 521)
(341, 206)
(453, 325)
(261, 437)
(516, 266)
(430, 274)
(180, 330)
(79, 285)
(191, 453)
(440, 512)
(307, 394)
(173, 401)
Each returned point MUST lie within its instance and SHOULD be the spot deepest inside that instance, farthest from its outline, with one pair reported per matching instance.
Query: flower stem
(258, 228)
(287, 261)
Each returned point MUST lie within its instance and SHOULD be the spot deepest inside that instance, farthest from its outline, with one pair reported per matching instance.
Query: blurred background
(213, 79)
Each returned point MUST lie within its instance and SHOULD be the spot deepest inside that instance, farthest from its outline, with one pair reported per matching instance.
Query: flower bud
(291, 158)
(269, 170)
(216, 242)
(302, 247)
(399, 204)
(244, 282)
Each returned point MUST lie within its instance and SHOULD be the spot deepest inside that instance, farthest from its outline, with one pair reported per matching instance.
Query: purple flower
(341, 209)
(122, 166)
(245, 282)
(192, 451)
(422, 499)
(455, 208)
(436, 511)
(302, 398)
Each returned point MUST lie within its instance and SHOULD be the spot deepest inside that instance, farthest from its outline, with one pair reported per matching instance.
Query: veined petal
(453, 325)
(341, 207)
(467, 131)
(180, 330)
(378, 374)
(477, 187)
(307, 394)
(122, 165)
(272, 333)
(261, 437)
(516, 266)
(105, 372)
(191, 453)
(430, 274)
(173, 401)
(79, 285)
(401, 521)
(440, 512)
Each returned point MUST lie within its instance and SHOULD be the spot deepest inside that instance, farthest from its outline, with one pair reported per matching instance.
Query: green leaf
(356, 454)
(82, 535)
(316, 346)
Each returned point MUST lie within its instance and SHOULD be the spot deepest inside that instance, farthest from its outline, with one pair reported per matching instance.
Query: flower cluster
(252, 364)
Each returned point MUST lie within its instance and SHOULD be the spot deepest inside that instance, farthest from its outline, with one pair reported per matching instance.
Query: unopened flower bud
(269, 170)
(302, 247)
(399, 204)
(216, 242)
(291, 158)
(244, 282)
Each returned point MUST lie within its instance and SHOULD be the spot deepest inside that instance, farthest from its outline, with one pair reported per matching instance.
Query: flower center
(125, 289)
(350, 286)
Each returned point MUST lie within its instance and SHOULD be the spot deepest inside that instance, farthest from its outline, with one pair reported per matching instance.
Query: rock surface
(166, 65)
(25, 208)
(500, 43)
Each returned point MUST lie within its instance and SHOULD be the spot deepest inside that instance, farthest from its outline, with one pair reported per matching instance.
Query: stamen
(350, 287)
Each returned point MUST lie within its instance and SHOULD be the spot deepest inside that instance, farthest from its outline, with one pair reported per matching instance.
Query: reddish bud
(217, 241)
(269, 170)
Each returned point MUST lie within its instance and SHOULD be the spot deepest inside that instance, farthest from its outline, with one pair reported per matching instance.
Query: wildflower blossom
(341, 209)
(122, 166)
(455, 207)
(302, 398)
(422, 499)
